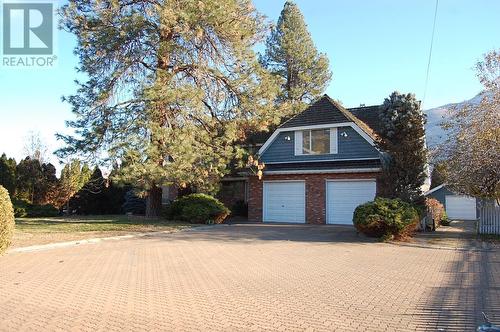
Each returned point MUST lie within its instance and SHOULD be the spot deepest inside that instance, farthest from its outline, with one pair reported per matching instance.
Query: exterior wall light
(343, 134)
(288, 138)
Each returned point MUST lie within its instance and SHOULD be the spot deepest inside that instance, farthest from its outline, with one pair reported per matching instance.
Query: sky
(374, 48)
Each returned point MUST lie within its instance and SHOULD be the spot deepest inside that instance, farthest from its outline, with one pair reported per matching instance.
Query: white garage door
(342, 197)
(460, 207)
(284, 202)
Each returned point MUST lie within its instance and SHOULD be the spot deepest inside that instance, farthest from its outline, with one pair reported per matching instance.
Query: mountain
(435, 116)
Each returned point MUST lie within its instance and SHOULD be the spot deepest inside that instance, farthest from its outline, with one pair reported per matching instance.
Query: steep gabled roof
(327, 111)
(322, 111)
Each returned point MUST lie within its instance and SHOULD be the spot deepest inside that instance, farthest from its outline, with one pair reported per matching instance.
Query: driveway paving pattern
(249, 278)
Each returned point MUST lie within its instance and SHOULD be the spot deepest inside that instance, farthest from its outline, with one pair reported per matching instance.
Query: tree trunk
(153, 202)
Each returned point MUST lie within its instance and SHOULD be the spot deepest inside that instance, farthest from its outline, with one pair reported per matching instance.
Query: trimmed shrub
(198, 209)
(6, 220)
(23, 208)
(46, 210)
(386, 218)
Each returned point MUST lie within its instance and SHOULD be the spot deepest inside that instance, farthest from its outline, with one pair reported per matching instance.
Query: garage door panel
(284, 202)
(460, 207)
(344, 196)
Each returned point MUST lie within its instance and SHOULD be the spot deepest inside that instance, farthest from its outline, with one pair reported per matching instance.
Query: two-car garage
(287, 201)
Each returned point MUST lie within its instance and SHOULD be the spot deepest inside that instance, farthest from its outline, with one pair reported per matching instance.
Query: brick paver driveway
(248, 277)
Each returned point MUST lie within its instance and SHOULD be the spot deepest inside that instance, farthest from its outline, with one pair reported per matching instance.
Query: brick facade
(315, 193)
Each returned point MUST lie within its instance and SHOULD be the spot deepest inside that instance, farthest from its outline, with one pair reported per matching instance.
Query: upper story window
(316, 141)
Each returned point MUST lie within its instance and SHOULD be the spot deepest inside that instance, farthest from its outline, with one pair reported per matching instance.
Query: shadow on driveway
(250, 232)
(471, 286)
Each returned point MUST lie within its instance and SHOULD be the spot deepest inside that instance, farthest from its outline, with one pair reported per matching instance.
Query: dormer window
(316, 141)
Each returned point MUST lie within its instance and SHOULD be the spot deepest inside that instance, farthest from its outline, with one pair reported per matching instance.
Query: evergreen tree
(171, 86)
(115, 197)
(91, 198)
(402, 138)
(47, 187)
(74, 175)
(29, 177)
(8, 174)
(133, 203)
(292, 57)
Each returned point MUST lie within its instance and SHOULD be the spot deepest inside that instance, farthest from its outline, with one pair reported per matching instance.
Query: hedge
(23, 208)
(6, 220)
(386, 218)
(198, 208)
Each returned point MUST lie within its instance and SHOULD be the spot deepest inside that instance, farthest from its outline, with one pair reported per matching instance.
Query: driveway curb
(56, 245)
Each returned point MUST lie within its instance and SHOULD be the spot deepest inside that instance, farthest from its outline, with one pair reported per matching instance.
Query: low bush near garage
(6, 220)
(386, 218)
(198, 209)
(435, 213)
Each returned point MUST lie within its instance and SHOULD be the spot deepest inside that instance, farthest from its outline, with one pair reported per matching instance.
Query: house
(320, 165)
(457, 206)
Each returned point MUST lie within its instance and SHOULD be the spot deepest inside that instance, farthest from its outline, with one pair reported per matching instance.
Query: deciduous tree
(35, 147)
(472, 148)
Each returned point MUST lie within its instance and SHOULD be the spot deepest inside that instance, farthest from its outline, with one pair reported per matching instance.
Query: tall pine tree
(171, 86)
(8, 174)
(292, 57)
(402, 138)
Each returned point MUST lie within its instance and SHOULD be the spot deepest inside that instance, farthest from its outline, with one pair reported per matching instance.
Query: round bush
(199, 209)
(385, 218)
(6, 220)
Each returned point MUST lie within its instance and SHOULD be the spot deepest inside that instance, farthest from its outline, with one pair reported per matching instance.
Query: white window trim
(334, 141)
(299, 142)
(331, 125)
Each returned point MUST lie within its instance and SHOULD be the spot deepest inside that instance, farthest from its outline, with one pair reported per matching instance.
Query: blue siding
(351, 147)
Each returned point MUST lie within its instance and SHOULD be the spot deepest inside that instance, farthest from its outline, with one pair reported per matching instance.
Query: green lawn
(93, 224)
(34, 231)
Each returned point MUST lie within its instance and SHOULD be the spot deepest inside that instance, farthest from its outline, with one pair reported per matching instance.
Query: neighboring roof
(327, 111)
(433, 189)
(258, 137)
(324, 165)
(369, 115)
